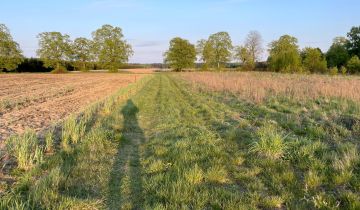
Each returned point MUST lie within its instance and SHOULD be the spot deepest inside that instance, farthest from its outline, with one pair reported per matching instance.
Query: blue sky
(149, 24)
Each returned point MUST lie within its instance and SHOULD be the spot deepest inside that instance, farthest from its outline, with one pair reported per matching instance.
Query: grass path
(169, 144)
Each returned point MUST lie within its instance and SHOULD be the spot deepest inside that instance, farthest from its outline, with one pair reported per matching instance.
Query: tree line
(107, 49)
(284, 54)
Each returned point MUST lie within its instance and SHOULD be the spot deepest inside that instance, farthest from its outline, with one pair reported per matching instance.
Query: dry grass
(257, 86)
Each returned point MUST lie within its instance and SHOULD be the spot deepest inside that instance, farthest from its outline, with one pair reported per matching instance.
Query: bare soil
(35, 101)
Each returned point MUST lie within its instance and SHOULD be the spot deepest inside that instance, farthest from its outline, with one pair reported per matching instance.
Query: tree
(205, 52)
(216, 51)
(181, 54)
(314, 60)
(111, 49)
(253, 44)
(54, 49)
(353, 44)
(338, 55)
(284, 55)
(354, 64)
(245, 57)
(10, 52)
(82, 49)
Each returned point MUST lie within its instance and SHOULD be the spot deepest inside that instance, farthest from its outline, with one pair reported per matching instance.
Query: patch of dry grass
(257, 86)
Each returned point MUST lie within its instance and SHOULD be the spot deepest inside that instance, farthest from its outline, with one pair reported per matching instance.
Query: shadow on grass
(125, 184)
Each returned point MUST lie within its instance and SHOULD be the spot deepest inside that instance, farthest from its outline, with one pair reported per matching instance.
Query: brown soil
(35, 101)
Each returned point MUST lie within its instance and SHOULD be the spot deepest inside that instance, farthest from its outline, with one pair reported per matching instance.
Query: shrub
(334, 71)
(25, 149)
(59, 70)
(354, 64)
(343, 70)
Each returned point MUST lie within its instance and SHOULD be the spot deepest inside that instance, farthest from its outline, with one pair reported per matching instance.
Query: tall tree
(10, 52)
(82, 49)
(181, 54)
(221, 46)
(337, 55)
(205, 52)
(353, 44)
(314, 61)
(284, 55)
(253, 44)
(54, 49)
(111, 49)
(216, 51)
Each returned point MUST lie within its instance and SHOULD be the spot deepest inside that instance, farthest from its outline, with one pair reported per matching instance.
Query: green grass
(170, 145)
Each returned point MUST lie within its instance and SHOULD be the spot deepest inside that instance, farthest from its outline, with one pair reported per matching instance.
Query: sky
(149, 25)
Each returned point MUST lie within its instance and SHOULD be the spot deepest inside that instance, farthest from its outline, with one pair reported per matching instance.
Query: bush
(343, 70)
(59, 70)
(334, 71)
(354, 64)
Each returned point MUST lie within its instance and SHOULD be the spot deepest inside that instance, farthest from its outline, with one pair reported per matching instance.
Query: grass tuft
(26, 149)
(270, 142)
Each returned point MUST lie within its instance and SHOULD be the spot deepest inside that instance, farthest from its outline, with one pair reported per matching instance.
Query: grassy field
(198, 141)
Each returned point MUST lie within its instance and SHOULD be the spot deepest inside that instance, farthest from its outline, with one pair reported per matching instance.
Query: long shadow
(125, 183)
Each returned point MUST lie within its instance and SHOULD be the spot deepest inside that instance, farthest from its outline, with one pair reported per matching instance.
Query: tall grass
(270, 143)
(257, 86)
(26, 149)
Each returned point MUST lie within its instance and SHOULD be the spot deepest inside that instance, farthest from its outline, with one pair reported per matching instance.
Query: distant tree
(82, 49)
(253, 44)
(10, 52)
(54, 49)
(216, 51)
(205, 53)
(314, 61)
(221, 46)
(353, 64)
(181, 54)
(284, 55)
(353, 44)
(338, 55)
(245, 57)
(110, 48)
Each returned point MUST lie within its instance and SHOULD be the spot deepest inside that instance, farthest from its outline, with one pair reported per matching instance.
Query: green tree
(284, 55)
(245, 57)
(216, 51)
(338, 55)
(353, 44)
(110, 48)
(82, 49)
(54, 49)
(354, 64)
(10, 53)
(314, 61)
(205, 52)
(181, 54)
